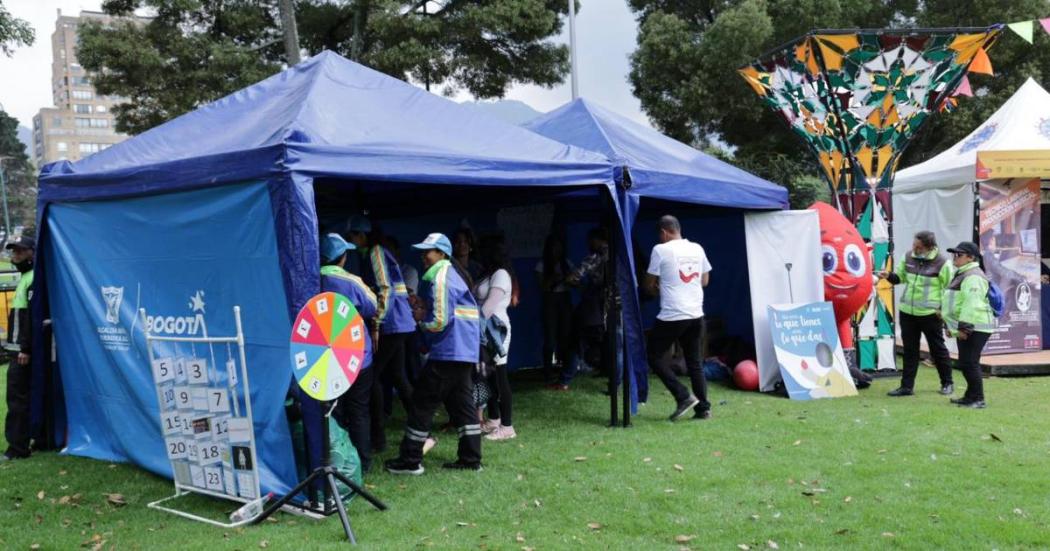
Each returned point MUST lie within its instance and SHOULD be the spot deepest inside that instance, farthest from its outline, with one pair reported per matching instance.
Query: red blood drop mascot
(847, 276)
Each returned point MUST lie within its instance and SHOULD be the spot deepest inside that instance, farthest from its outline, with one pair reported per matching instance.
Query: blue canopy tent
(661, 170)
(217, 208)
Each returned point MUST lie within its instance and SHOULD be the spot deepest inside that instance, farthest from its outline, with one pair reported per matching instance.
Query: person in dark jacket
(19, 347)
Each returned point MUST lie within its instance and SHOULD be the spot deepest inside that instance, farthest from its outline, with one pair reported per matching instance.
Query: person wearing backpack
(925, 273)
(970, 317)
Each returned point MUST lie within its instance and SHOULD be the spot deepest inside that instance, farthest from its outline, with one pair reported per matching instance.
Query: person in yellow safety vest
(969, 318)
(925, 273)
(19, 347)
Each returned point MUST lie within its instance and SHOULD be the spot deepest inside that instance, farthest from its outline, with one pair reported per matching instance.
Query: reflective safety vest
(966, 301)
(18, 330)
(924, 279)
(452, 327)
(395, 314)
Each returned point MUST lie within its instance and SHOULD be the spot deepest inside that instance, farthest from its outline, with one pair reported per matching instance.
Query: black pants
(352, 413)
(451, 384)
(689, 334)
(970, 364)
(501, 403)
(912, 329)
(557, 327)
(389, 362)
(16, 427)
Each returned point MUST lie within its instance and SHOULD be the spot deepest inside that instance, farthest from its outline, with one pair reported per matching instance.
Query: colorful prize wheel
(328, 346)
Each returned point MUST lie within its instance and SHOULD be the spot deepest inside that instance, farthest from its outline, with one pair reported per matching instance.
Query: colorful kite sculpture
(857, 98)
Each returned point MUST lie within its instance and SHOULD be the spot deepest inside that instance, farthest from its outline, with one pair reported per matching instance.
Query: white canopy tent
(937, 195)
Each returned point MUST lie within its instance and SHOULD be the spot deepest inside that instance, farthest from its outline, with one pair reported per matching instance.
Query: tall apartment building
(80, 123)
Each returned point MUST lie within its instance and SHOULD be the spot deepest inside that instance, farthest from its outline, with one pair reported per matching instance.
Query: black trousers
(389, 362)
(501, 403)
(912, 330)
(557, 328)
(689, 334)
(16, 426)
(352, 413)
(451, 384)
(970, 364)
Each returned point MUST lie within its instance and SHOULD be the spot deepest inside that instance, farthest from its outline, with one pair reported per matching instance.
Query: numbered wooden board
(204, 440)
(328, 346)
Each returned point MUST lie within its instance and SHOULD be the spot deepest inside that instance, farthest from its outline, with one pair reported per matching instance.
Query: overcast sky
(605, 30)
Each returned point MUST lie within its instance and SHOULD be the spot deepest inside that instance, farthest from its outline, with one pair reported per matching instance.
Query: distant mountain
(25, 135)
(507, 110)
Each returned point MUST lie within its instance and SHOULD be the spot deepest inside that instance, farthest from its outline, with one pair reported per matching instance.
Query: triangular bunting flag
(981, 63)
(1023, 29)
(1046, 24)
(964, 88)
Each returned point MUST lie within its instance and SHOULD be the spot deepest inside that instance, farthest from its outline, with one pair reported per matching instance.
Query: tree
(14, 32)
(195, 51)
(19, 174)
(684, 69)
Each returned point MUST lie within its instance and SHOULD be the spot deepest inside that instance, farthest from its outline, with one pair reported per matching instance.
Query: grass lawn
(867, 472)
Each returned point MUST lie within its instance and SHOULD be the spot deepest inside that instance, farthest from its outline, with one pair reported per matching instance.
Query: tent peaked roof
(335, 108)
(1023, 122)
(660, 167)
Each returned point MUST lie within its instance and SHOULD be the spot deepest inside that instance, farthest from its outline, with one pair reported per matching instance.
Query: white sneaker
(502, 433)
(490, 426)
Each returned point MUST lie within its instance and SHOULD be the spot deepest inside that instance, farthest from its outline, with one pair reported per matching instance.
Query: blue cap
(333, 246)
(359, 224)
(435, 241)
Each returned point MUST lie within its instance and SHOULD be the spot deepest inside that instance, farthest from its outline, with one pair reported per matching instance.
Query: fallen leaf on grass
(39, 519)
(35, 546)
(842, 532)
(527, 549)
(772, 544)
(594, 526)
(1019, 512)
(647, 460)
(678, 467)
(743, 546)
(580, 458)
(888, 535)
(808, 493)
(755, 517)
(116, 499)
(716, 454)
(536, 503)
(521, 477)
(683, 539)
(264, 544)
(520, 538)
(62, 472)
(797, 442)
(882, 451)
(669, 491)
(933, 457)
(848, 499)
(994, 437)
(112, 466)
(40, 495)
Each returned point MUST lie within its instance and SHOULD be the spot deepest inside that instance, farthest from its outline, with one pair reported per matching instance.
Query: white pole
(572, 49)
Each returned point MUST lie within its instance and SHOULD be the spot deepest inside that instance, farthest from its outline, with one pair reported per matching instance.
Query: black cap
(23, 242)
(966, 247)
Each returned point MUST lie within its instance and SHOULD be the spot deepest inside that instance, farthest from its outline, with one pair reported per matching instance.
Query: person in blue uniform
(395, 325)
(352, 410)
(451, 327)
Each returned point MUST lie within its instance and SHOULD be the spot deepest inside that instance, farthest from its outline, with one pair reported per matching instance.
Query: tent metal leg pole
(626, 381)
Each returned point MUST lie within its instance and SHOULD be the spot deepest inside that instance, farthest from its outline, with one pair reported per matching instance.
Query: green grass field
(869, 472)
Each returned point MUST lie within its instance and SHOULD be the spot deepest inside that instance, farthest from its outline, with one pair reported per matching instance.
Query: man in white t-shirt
(679, 271)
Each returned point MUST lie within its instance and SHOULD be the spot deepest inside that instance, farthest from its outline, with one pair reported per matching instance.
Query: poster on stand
(1009, 228)
(808, 350)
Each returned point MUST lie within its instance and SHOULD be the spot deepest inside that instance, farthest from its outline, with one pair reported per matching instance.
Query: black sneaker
(948, 389)
(974, 404)
(703, 414)
(400, 466)
(684, 406)
(462, 466)
(960, 401)
(901, 391)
